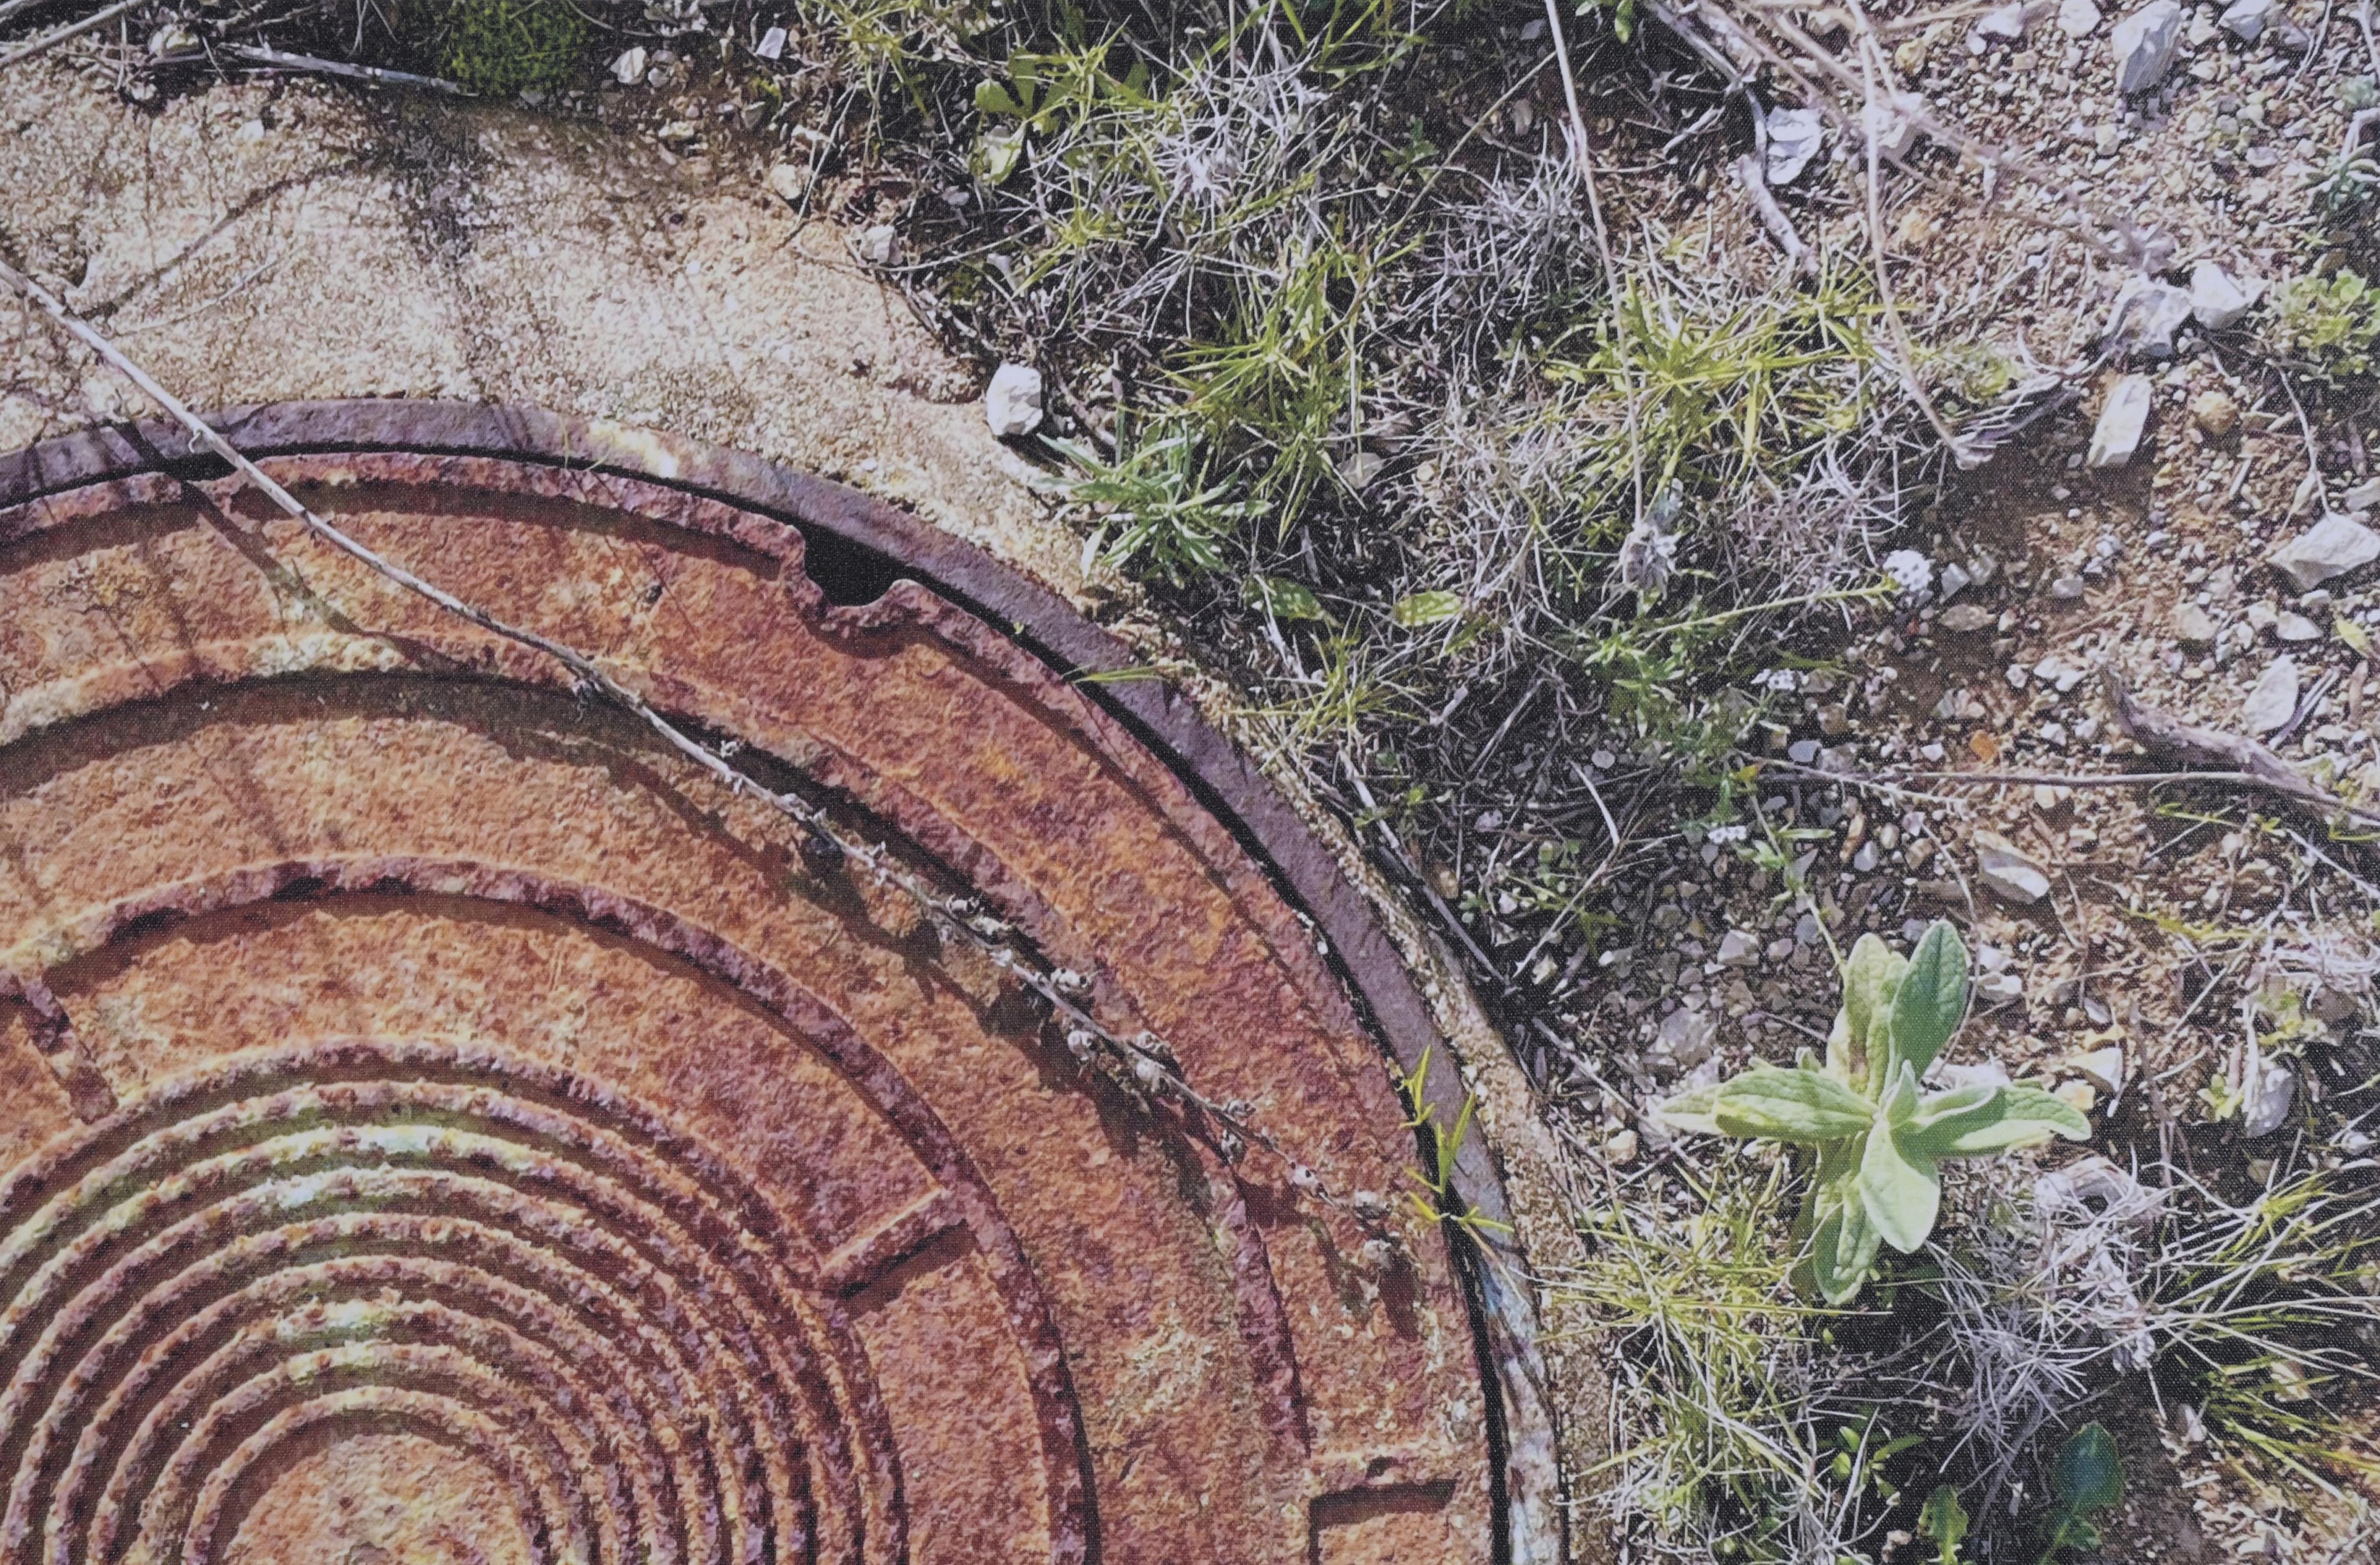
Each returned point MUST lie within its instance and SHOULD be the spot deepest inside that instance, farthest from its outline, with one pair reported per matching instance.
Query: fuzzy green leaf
(1286, 600)
(1804, 1107)
(1901, 1186)
(1690, 1112)
(1932, 999)
(1840, 1052)
(1425, 608)
(1951, 1124)
(993, 99)
(1944, 1521)
(1842, 1243)
(2089, 1472)
(1870, 975)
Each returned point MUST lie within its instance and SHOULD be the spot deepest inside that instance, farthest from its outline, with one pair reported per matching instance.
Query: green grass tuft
(499, 47)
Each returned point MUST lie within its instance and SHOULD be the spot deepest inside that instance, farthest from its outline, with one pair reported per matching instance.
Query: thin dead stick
(1143, 1065)
(2012, 778)
(67, 33)
(257, 54)
(1581, 150)
(1872, 115)
(2328, 805)
(1752, 172)
(277, 59)
(2162, 733)
(2207, 755)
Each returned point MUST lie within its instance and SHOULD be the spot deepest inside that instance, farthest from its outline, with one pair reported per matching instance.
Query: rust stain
(490, 1135)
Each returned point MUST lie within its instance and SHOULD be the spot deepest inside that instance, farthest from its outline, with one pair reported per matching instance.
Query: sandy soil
(264, 242)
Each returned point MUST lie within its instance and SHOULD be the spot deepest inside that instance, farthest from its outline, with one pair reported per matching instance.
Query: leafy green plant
(2333, 323)
(2088, 1477)
(1879, 1140)
(504, 46)
(1863, 1450)
(1441, 1147)
(1942, 1522)
(1155, 495)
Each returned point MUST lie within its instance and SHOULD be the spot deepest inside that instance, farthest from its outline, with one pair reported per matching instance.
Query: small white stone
(1012, 405)
(1965, 619)
(1892, 123)
(2078, 19)
(2246, 19)
(2146, 315)
(789, 182)
(2008, 870)
(1684, 1039)
(2144, 45)
(2005, 23)
(2217, 299)
(2103, 1067)
(1736, 948)
(629, 68)
(1986, 1072)
(2291, 627)
(1621, 1148)
(1794, 136)
(1999, 989)
(880, 244)
(2081, 1097)
(2274, 700)
(2266, 1091)
(2332, 546)
(771, 45)
(2122, 421)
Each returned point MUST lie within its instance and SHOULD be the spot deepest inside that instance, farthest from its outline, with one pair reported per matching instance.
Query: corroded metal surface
(439, 1122)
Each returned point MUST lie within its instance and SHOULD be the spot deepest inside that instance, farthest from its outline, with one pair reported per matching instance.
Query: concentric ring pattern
(378, 1236)
(441, 1125)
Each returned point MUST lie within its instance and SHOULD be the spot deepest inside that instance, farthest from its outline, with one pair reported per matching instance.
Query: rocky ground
(2189, 964)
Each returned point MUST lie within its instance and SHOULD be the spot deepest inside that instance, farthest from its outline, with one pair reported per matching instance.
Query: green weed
(1152, 505)
(2331, 324)
(499, 47)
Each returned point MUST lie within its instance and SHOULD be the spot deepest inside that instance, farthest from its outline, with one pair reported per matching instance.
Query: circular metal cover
(439, 1123)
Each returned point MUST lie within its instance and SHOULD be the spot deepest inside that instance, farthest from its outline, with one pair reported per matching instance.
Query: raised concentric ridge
(496, 1255)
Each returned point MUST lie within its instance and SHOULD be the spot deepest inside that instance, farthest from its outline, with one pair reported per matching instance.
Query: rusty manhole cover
(439, 1123)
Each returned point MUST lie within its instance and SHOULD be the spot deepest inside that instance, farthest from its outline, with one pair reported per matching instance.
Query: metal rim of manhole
(437, 1122)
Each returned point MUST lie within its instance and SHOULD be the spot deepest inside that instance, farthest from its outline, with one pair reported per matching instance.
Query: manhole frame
(1529, 1503)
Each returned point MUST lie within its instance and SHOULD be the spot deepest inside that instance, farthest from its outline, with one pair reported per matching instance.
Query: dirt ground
(280, 240)
(2162, 906)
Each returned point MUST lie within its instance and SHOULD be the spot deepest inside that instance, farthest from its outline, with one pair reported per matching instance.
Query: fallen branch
(1143, 1065)
(2234, 772)
(2162, 733)
(1751, 171)
(72, 31)
(378, 76)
